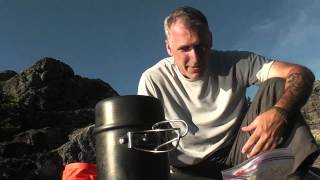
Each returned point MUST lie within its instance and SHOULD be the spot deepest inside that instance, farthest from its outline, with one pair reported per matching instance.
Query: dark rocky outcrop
(311, 112)
(311, 109)
(80, 147)
(52, 85)
(6, 74)
(46, 117)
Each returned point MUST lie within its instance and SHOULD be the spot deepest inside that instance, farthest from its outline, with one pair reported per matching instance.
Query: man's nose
(195, 55)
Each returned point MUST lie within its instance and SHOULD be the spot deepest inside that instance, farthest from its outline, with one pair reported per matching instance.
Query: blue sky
(117, 40)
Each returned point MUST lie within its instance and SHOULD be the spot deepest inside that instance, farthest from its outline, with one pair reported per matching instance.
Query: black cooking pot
(114, 118)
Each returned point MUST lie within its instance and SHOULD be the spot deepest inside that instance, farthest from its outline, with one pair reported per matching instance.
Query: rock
(80, 148)
(44, 139)
(15, 149)
(46, 117)
(49, 166)
(51, 85)
(311, 110)
(17, 168)
(7, 74)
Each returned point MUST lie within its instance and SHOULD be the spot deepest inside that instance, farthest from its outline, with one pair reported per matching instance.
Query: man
(206, 88)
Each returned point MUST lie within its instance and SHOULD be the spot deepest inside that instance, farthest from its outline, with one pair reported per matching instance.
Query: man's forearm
(298, 88)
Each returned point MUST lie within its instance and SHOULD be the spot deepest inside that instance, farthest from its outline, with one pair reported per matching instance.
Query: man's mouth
(194, 69)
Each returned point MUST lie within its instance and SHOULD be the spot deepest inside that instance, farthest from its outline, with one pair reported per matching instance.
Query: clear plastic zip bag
(275, 164)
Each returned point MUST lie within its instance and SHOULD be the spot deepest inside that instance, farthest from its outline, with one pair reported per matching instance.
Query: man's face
(190, 49)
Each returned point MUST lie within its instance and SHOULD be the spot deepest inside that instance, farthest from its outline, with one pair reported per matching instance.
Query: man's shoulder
(230, 58)
(231, 53)
(163, 66)
(158, 73)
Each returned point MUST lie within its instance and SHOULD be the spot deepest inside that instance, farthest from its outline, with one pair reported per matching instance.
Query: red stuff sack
(79, 171)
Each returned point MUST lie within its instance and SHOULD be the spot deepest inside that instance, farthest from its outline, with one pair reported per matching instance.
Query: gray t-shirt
(211, 105)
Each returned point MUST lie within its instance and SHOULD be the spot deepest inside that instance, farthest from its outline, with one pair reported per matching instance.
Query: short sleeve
(263, 73)
(252, 68)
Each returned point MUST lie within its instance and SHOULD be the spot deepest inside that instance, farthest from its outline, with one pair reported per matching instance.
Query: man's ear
(168, 47)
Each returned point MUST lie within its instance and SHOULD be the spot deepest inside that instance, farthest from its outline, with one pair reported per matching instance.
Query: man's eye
(185, 49)
(202, 47)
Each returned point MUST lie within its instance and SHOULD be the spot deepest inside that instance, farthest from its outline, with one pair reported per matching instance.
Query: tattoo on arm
(298, 89)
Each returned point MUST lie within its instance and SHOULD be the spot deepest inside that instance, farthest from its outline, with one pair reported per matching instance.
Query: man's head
(188, 40)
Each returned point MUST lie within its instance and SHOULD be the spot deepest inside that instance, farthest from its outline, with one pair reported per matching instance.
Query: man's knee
(273, 85)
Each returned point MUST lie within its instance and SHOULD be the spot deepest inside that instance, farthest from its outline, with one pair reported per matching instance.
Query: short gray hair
(190, 16)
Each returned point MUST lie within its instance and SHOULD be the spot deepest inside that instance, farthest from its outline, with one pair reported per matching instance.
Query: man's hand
(266, 131)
